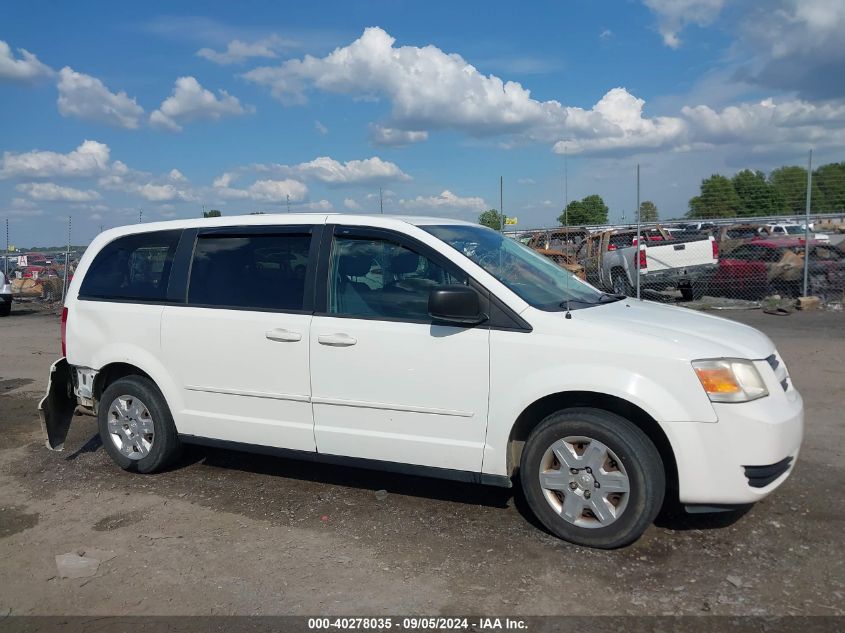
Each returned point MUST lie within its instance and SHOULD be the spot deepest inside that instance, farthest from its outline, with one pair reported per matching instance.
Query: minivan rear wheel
(592, 477)
(136, 427)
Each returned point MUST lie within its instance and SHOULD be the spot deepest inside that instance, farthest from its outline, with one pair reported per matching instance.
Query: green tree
(831, 181)
(648, 211)
(213, 213)
(756, 194)
(590, 210)
(716, 200)
(790, 185)
(491, 218)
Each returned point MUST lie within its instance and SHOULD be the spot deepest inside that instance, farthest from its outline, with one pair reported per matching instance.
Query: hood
(699, 335)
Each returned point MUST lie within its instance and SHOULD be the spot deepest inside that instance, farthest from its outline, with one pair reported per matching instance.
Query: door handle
(336, 340)
(282, 335)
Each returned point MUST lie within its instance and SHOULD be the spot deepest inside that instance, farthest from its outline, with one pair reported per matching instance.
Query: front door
(238, 350)
(388, 384)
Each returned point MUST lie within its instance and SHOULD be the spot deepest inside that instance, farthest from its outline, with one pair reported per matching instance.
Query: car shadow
(348, 476)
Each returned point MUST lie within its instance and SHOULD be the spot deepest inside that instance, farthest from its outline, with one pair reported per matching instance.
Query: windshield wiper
(607, 297)
(604, 297)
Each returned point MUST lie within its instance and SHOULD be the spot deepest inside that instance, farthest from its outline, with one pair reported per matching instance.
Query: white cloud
(190, 102)
(674, 15)
(391, 137)
(25, 68)
(796, 45)
(320, 206)
(51, 192)
(237, 51)
(617, 123)
(769, 123)
(322, 129)
(351, 204)
(526, 181)
(172, 186)
(606, 34)
(446, 201)
(89, 159)
(85, 97)
(328, 171)
(275, 191)
(333, 172)
(430, 89)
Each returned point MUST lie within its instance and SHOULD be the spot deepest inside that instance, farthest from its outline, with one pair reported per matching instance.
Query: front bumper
(747, 454)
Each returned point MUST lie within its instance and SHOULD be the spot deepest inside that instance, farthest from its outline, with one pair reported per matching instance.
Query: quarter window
(134, 267)
(259, 272)
(375, 278)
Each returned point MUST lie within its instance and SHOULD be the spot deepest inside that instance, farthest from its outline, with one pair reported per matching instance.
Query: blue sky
(108, 108)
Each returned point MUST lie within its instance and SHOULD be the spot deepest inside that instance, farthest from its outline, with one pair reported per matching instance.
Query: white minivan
(419, 345)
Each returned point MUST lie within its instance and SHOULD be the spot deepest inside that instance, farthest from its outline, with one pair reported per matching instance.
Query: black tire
(165, 445)
(619, 283)
(638, 455)
(5, 309)
(693, 292)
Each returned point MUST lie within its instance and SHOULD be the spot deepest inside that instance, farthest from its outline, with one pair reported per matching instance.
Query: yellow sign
(12, 249)
(511, 221)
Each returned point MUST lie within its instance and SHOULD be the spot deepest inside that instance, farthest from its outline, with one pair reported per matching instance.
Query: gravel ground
(232, 533)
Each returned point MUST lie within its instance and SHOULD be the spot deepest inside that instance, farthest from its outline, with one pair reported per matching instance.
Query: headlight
(730, 380)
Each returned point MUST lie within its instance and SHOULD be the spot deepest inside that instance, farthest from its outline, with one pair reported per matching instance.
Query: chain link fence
(726, 263)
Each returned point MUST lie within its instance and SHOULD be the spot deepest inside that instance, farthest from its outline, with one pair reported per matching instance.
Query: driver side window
(377, 278)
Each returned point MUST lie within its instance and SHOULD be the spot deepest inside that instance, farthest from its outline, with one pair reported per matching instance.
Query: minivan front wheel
(592, 477)
(135, 425)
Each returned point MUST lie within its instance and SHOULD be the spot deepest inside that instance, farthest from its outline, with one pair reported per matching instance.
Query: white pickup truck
(612, 259)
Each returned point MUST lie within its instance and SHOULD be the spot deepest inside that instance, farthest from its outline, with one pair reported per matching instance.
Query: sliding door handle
(336, 340)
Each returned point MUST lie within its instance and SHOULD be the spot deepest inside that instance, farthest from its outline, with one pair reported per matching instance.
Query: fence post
(807, 224)
(639, 237)
(67, 263)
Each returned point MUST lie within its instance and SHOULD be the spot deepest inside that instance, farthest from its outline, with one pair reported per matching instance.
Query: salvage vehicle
(5, 296)
(733, 235)
(613, 259)
(419, 345)
(560, 245)
(791, 229)
(776, 266)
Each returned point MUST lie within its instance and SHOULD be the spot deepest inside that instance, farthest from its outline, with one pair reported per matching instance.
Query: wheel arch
(537, 411)
(115, 371)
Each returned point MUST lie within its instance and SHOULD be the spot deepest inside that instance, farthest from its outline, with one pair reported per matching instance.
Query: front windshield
(795, 230)
(540, 282)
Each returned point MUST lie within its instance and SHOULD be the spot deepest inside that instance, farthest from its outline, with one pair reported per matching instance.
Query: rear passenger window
(260, 272)
(134, 267)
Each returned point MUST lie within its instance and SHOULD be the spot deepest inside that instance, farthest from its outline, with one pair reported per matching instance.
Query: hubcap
(584, 482)
(131, 427)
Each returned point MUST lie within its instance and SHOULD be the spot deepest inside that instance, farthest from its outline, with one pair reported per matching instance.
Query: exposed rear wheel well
(537, 411)
(114, 371)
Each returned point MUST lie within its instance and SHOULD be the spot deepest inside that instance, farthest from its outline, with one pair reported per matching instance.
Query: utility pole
(501, 204)
(566, 185)
(67, 260)
(807, 224)
(639, 237)
(6, 258)
(380, 201)
(287, 199)
(203, 210)
(140, 216)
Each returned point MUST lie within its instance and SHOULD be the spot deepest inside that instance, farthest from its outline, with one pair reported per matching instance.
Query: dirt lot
(227, 533)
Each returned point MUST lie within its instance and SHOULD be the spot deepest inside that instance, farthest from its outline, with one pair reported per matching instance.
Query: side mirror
(455, 304)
